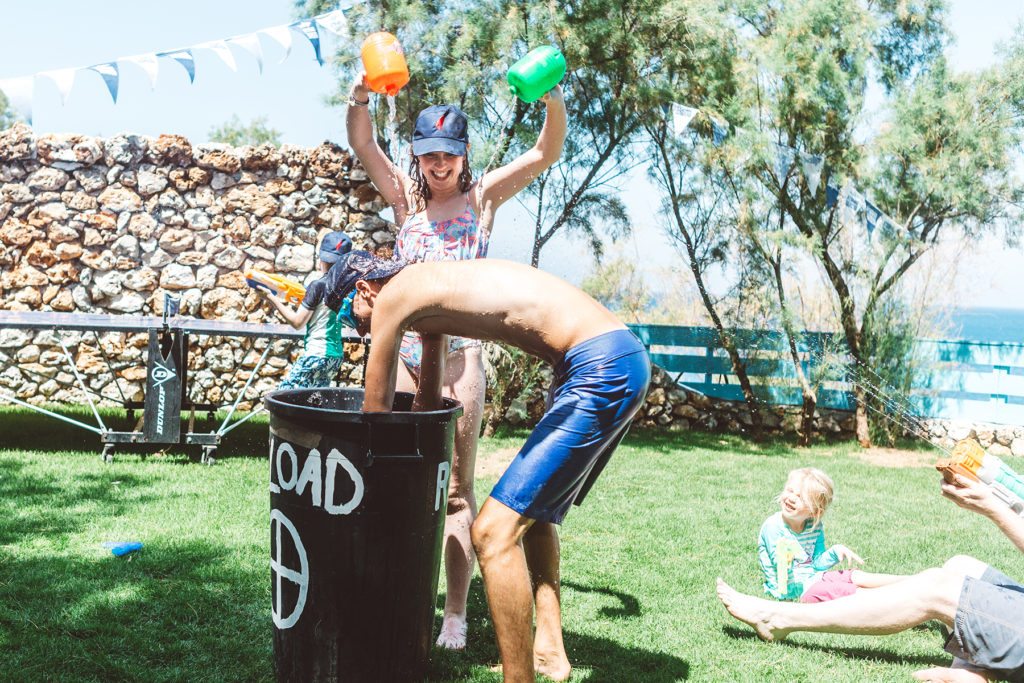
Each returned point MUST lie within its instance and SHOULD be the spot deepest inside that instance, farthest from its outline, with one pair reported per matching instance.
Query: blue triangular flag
(718, 131)
(185, 58)
(831, 195)
(110, 77)
(308, 29)
(871, 214)
(812, 164)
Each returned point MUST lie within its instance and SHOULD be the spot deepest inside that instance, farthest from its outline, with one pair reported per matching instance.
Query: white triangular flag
(251, 44)
(282, 35)
(335, 22)
(783, 161)
(63, 79)
(221, 49)
(148, 63)
(19, 92)
(681, 117)
(812, 165)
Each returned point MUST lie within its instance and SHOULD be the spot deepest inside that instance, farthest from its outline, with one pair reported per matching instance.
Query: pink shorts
(830, 586)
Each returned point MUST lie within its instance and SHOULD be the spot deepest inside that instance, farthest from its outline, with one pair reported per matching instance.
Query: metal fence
(966, 380)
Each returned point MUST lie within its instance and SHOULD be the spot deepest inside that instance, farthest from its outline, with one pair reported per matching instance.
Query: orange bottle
(384, 62)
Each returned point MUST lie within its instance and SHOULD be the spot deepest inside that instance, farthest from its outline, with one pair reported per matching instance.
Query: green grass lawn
(669, 514)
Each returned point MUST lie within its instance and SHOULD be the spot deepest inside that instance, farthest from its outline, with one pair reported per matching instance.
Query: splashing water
(315, 399)
(392, 130)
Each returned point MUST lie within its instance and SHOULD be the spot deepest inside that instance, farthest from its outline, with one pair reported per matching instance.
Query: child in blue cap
(323, 352)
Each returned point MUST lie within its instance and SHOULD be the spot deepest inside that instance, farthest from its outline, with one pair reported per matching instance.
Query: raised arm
(297, 318)
(389, 180)
(503, 183)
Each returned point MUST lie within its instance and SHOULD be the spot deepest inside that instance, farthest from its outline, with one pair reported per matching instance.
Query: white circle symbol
(282, 573)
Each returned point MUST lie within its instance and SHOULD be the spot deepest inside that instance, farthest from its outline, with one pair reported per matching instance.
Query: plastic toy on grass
(121, 548)
(384, 63)
(534, 75)
(278, 285)
(969, 459)
(786, 550)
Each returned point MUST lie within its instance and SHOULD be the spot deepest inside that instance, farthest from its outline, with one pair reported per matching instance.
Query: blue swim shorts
(309, 372)
(600, 385)
(988, 630)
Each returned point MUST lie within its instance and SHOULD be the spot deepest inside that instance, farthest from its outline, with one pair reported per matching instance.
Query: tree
(238, 134)
(460, 53)
(935, 156)
(7, 116)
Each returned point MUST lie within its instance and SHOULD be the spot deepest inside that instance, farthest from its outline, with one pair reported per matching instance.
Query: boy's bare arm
(381, 368)
(428, 390)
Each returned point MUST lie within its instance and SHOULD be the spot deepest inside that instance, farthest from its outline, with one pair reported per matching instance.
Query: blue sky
(36, 37)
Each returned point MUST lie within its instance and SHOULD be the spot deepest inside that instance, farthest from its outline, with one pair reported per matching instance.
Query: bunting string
(854, 209)
(20, 90)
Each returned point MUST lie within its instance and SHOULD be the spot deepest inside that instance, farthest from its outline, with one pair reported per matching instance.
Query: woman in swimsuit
(445, 214)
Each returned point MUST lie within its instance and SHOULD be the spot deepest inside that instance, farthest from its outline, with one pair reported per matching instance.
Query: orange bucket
(384, 62)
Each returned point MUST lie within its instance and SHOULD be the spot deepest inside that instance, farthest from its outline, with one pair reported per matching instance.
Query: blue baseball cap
(441, 128)
(334, 245)
(352, 267)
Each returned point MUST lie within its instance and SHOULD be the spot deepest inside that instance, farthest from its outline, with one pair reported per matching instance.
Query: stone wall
(109, 225)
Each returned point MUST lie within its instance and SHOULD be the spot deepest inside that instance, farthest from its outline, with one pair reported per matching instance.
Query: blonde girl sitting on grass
(791, 547)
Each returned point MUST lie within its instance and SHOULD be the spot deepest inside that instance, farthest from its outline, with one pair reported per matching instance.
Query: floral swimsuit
(455, 239)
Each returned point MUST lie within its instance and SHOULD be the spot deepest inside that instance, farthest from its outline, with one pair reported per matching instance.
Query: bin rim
(276, 406)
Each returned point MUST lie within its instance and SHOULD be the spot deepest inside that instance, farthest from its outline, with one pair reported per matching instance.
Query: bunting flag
(63, 79)
(872, 214)
(281, 35)
(19, 95)
(149, 64)
(681, 117)
(719, 131)
(783, 162)
(185, 58)
(20, 91)
(334, 22)
(251, 44)
(308, 29)
(812, 165)
(852, 207)
(110, 74)
(221, 49)
(831, 195)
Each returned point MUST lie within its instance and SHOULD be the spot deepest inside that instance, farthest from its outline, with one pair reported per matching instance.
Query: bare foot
(752, 611)
(453, 632)
(940, 674)
(554, 665)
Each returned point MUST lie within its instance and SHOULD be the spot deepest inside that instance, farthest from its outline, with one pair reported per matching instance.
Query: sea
(987, 324)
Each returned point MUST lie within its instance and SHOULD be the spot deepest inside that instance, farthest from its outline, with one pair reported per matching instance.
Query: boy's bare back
(490, 299)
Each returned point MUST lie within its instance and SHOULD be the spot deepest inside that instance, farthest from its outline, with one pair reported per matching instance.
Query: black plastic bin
(357, 508)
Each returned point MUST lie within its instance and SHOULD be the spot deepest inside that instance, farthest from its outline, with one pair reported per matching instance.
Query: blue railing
(978, 381)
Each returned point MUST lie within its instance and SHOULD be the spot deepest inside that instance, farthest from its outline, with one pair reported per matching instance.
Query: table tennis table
(166, 394)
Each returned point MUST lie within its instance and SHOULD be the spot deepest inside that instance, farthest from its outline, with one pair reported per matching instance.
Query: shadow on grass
(23, 429)
(868, 653)
(177, 610)
(605, 660)
(34, 507)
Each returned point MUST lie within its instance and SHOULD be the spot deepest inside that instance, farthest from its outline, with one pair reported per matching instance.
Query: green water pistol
(535, 74)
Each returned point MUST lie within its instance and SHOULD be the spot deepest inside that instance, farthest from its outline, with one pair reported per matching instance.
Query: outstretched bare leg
(542, 556)
(932, 594)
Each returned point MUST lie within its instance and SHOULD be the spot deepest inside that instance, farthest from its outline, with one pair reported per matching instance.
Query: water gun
(786, 550)
(279, 286)
(970, 460)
